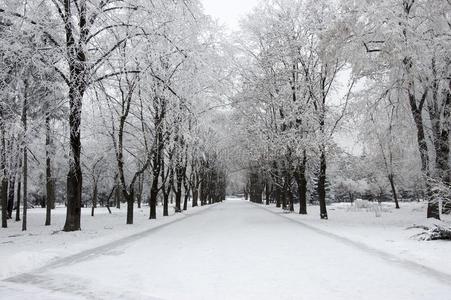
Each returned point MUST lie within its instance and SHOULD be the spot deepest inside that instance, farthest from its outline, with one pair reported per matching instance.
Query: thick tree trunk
(166, 204)
(195, 196)
(442, 153)
(278, 196)
(153, 199)
(283, 196)
(74, 176)
(439, 115)
(301, 181)
(185, 201)
(77, 60)
(433, 205)
(322, 185)
(203, 193)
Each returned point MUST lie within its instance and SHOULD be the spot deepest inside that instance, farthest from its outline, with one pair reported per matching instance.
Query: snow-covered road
(233, 250)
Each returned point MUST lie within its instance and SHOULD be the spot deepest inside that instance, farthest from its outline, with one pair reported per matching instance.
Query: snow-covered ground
(389, 232)
(235, 250)
(22, 251)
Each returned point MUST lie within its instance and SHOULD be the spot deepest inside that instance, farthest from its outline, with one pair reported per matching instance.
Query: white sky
(228, 12)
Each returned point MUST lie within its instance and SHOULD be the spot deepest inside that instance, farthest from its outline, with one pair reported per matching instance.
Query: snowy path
(232, 251)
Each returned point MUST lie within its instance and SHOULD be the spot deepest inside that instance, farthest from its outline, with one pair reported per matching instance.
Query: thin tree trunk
(94, 198)
(140, 190)
(4, 180)
(19, 184)
(130, 200)
(50, 194)
(117, 195)
(393, 189)
(4, 196)
(322, 185)
(25, 164)
(11, 188)
(179, 174)
(267, 192)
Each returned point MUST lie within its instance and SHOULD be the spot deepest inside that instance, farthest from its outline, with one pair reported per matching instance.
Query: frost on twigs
(435, 231)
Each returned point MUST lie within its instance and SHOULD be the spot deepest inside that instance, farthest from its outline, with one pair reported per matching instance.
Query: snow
(24, 251)
(388, 233)
(238, 250)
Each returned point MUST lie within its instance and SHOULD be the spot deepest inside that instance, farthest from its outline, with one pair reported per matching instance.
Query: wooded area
(152, 102)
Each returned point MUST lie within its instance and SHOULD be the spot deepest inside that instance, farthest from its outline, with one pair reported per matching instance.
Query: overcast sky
(228, 12)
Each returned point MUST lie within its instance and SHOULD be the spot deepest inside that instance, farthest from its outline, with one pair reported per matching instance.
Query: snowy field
(232, 250)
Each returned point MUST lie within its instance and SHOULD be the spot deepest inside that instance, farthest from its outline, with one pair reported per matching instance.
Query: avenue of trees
(101, 104)
(133, 102)
(313, 71)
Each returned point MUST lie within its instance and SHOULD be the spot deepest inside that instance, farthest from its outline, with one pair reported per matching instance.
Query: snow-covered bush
(435, 231)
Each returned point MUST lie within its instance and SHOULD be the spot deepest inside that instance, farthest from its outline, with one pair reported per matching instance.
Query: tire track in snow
(387, 257)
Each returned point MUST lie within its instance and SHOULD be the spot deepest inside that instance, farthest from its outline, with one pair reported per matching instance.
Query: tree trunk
(94, 198)
(267, 192)
(195, 195)
(118, 195)
(130, 200)
(25, 160)
(178, 198)
(278, 196)
(442, 156)
(74, 176)
(153, 199)
(165, 204)
(4, 180)
(25, 187)
(301, 181)
(50, 193)
(393, 189)
(11, 189)
(290, 199)
(140, 190)
(19, 184)
(283, 196)
(179, 176)
(322, 185)
(4, 196)
(185, 201)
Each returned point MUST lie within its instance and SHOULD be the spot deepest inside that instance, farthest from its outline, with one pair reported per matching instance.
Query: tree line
(313, 71)
(102, 100)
